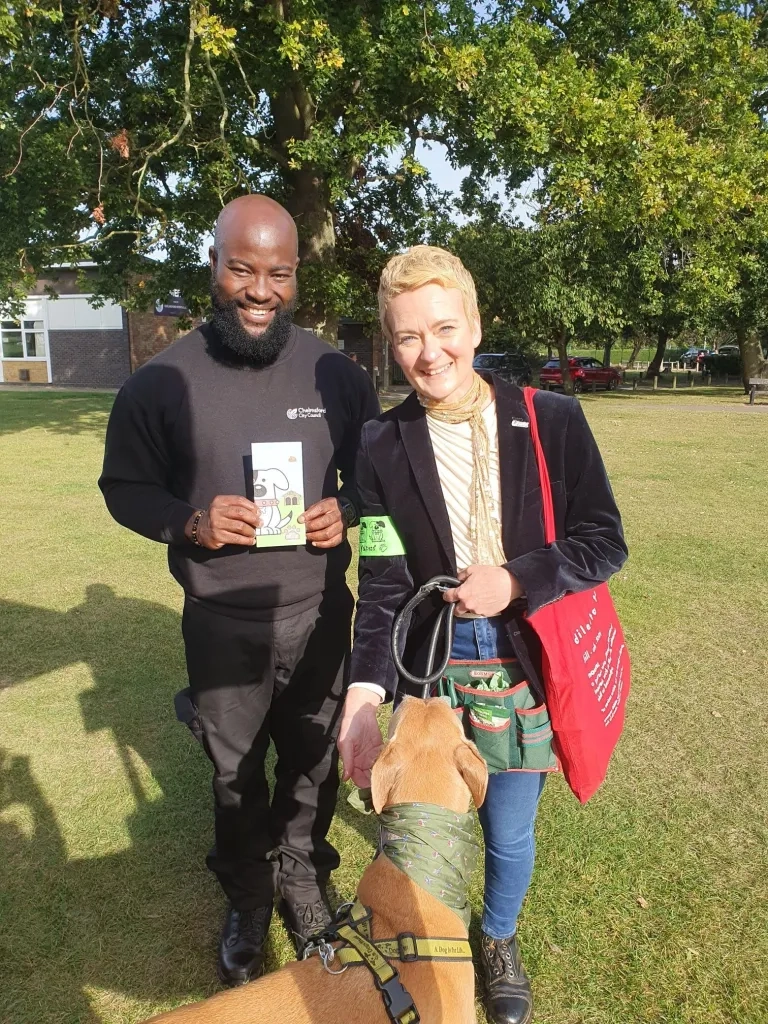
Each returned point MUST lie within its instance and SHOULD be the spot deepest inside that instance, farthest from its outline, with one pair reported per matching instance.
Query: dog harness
(436, 848)
(352, 928)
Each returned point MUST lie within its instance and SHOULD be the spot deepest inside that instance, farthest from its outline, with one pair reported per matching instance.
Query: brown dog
(426, 760)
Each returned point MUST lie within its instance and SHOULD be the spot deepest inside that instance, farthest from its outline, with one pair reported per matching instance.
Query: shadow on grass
(142, 921)
(58, 411)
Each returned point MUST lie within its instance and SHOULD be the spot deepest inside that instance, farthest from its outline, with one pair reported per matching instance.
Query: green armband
(379, 538)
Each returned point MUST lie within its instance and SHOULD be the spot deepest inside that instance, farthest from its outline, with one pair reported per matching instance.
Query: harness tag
(379, 538)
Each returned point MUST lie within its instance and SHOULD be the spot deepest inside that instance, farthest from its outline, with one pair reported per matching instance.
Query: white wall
(74, 312)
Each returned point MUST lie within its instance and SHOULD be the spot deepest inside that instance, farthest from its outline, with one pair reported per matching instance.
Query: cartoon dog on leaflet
(268, 485)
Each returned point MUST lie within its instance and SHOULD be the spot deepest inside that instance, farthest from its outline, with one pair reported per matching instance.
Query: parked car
(693, 358)
(585, 372)
(510, 366)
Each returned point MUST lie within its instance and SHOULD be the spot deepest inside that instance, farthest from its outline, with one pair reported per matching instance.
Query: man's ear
(384, 776)
(472, 769)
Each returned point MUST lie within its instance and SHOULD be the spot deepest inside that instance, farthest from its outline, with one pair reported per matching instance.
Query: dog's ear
(472, 769)
(384, 775)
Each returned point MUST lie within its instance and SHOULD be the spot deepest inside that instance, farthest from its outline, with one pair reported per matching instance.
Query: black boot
(509, 999)
(241, 947)
(305, 913)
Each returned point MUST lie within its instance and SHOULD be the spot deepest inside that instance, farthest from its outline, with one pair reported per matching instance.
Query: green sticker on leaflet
(379, 538)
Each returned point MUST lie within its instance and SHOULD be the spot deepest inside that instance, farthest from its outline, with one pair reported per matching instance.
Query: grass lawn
(648, 906)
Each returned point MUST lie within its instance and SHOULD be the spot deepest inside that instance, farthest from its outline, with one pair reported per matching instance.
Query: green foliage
(647, 122)
(639, 127)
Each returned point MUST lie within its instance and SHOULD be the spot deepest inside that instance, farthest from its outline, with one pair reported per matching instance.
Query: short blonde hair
(425, 264)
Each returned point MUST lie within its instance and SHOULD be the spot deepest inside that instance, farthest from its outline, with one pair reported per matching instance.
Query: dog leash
(444, 624)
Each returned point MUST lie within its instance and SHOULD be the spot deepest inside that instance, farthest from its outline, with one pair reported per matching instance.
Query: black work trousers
(251, 681)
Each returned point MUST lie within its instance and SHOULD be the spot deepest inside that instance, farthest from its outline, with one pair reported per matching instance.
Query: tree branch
(29, 128)
(186, 104)
(224, 108)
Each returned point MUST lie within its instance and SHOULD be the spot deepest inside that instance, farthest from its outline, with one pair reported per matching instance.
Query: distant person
(266, 631)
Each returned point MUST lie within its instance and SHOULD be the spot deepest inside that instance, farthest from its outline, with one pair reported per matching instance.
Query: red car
(584, 371)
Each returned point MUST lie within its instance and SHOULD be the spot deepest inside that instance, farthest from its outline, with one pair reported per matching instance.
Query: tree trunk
(607, 353)
(753, 364)
(661, 346)
(638, 341)
(561, 343)
(309, 203)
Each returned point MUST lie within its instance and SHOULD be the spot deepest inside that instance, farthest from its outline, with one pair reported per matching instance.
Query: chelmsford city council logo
(305, 413)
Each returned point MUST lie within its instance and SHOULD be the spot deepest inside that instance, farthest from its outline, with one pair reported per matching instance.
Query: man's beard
(229, 342)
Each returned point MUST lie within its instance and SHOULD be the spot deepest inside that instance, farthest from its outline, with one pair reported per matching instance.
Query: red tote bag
(585, 663)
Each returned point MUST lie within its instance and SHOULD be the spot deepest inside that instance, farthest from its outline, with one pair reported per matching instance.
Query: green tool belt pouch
(500, 714)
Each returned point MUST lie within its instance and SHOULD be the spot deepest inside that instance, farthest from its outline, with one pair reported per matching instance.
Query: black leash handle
(444, 624)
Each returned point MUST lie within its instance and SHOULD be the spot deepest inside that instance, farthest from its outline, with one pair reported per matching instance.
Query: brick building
(62, 339)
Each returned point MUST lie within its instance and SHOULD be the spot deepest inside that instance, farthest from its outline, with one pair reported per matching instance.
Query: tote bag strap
(546, 488)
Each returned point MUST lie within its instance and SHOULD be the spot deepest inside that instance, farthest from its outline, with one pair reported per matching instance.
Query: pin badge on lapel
(521, 423)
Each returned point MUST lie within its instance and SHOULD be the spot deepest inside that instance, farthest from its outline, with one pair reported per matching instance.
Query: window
(23, 339)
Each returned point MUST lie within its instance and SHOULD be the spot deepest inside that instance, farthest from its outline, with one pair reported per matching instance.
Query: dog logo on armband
(379, 538)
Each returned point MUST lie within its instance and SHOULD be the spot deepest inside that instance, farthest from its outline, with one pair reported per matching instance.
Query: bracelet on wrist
(195, 523)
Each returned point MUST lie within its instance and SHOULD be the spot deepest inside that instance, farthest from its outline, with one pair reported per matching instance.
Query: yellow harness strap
(359, 948)
(409, 948)
(397, 1000)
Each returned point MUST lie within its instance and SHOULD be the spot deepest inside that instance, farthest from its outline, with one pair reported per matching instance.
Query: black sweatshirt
(180, 433)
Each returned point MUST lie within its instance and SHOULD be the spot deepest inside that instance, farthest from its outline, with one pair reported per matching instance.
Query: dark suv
(510, 366)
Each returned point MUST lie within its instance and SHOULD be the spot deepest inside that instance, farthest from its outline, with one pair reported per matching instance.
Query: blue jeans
(509, 809)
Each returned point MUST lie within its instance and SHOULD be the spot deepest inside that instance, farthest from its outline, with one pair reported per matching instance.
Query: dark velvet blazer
(397, 477)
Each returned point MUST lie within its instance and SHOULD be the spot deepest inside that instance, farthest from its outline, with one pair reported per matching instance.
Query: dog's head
(428, 759)
(267, 482)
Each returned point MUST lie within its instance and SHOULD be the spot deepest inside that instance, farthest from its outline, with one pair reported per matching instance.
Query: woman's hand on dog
(229, 519)
(324, 523)
(359, 739)
(485, 590)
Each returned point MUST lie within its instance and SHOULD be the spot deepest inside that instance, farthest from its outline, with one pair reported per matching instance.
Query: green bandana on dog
(433, 846)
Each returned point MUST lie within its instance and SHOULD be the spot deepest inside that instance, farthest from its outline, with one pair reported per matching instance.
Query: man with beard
(266, 631)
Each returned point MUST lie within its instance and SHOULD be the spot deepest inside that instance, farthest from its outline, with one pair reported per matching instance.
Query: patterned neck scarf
(485, 532)
(435, 847)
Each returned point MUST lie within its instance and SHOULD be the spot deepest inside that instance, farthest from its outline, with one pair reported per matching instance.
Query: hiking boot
(305, 914)
(241, 946)
(509, 999)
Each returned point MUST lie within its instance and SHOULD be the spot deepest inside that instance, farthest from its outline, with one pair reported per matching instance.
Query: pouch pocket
(492, 695)
(493, 736)
(534, 738)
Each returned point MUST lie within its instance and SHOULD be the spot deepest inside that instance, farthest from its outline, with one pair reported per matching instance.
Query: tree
(128, 125)
(651, 154)
(547, 283)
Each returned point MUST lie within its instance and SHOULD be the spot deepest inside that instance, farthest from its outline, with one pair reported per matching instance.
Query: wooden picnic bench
(756, 384)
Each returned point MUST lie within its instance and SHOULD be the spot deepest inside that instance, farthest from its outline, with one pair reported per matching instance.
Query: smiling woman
(451, 475)
(428, 310)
